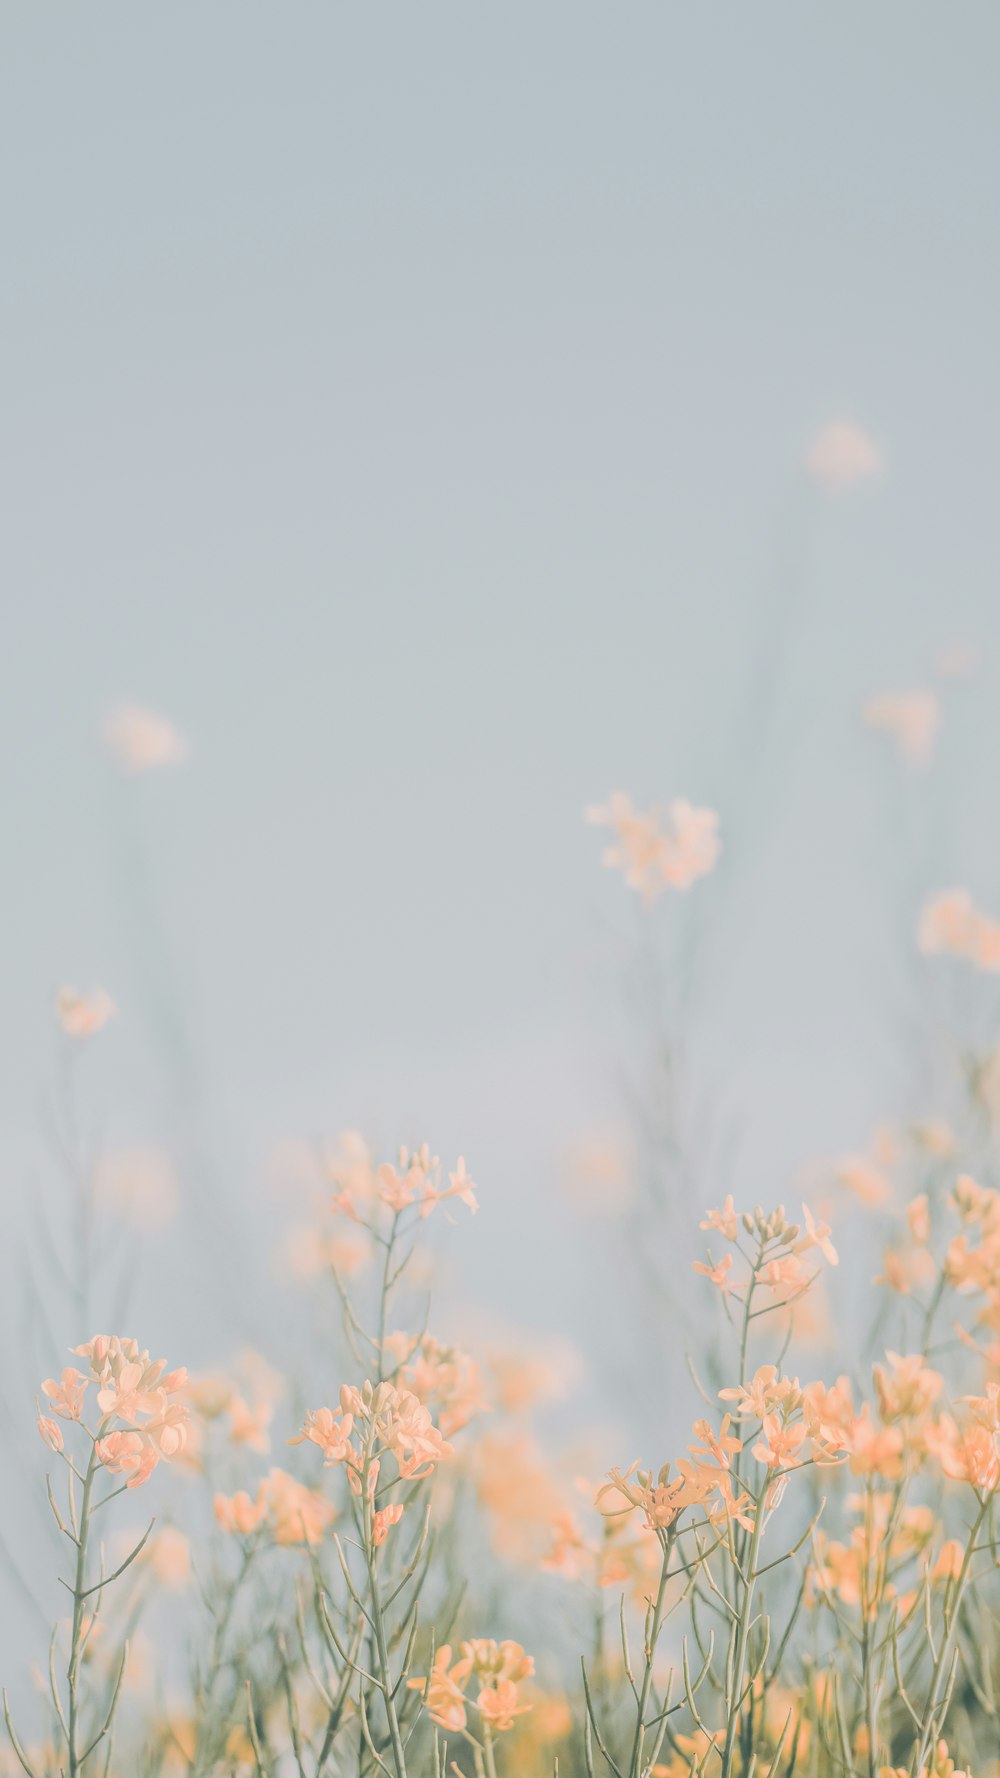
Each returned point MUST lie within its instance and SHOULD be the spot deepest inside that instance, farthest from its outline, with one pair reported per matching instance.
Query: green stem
(650, 1650)
(79, 1595)
(742, 1638)
(931, 1724)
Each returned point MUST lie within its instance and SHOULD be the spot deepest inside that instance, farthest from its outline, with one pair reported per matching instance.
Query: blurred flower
(141, 740)
(910, 718)
(957, 662)
(598, 1176)
(499, 1668)
(84, 1014)
(169, 1557)
(952, 925)
(842, 454)
(661, 849)
(140, 1186)
(293, 1514)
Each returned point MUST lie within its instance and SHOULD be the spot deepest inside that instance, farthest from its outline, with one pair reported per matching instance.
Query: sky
(411, 405)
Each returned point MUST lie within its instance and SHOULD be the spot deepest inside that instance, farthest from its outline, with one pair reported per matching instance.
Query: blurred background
(414, 407)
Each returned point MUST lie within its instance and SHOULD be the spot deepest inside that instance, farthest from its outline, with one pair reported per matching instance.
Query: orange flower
(717, 1275)
(84, 1014)
(661, 849)
(725, 1220)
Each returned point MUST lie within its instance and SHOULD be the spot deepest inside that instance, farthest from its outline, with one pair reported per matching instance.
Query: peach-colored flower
(128, 1453)
(141, 1395)
(907, 1271)
(331, 1433)
(291, 1513)
(443, 1698)
(399, 1190)
(765, 1392)
(442, 1377)
(67, 1395)
(725, 1220)
(717, 1274)
(663, 848)
(499, 1666)
(864, 1178)
(906, 1387)
(919, 1220)
(817, 1235)
(910, 718)
(238, 1513)
(141, 740)
(951, 924)
(383, 1521)
(949, 1561)
(51, 1432)
(780, 1443)
(498, 1704)
(84, 1014)
(935, 1136)
(295, 1514)
(138, 1186)
(169, 1557)
(842, 454)
(785, 1273)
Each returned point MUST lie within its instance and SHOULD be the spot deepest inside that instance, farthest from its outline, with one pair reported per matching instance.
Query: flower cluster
(414, 1181)
(660, 848)
(291, 1513)
(444, 1378)
(142, 1416)
(497, 1668)
(373, 1422)
(952, 925)
(910, 718)
(779, 1262)
(703, 1479)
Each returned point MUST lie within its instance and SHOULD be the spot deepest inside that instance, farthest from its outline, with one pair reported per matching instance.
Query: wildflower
(295, 1514)
(66, 1396)
(904, 1272)
(128, 1453)
(718, 1274)
(785, 1272)
(383, 1522)
(919, 1220)
(779, 1444)
(864, 1178)
(51, 1432)
(142, 741)
(84, 1014)
(660, 849)
(817, 1235)
(765, 1392)
(906, 1388)
(332, 1434)
(169, 1557)
(951, 925)
(140, 1395)
(910, 718)
(500, 1667)
(442, 1377)
(238, 1513)
(443, 1698)
(725, 1220)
